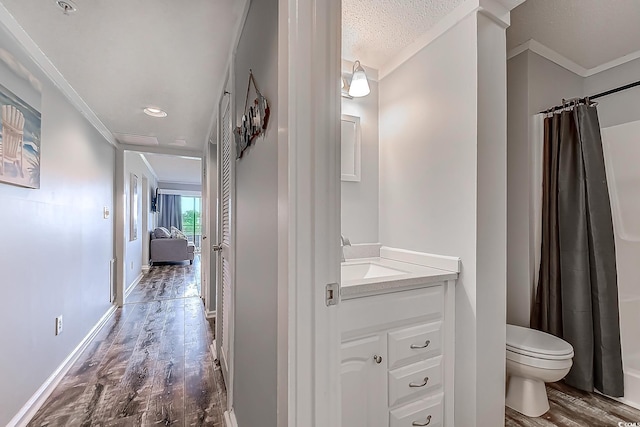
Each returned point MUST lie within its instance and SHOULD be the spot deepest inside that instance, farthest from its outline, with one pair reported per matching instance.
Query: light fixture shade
(359, 83)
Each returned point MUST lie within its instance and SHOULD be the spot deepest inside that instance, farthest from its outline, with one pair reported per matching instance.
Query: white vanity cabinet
(397, 357)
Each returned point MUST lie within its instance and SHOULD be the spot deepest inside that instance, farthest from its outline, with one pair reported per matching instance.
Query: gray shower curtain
(577, 294)
(170, 211)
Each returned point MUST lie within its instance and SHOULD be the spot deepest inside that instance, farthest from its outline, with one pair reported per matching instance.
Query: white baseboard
(30, 408)
(230, 419)
(133, 285)
(210, 314)
(145, 268)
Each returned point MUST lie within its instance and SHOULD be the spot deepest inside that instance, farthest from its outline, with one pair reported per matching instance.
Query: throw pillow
(177, 233)
(161, 233)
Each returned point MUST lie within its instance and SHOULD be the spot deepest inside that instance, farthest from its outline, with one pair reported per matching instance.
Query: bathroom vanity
(397, 351)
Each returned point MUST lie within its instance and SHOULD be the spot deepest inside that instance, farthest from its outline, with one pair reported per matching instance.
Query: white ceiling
(588, 32)
(373, 31)
(123, 55)
(184, 170)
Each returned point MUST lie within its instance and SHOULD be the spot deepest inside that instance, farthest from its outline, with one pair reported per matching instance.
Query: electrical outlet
(106, 213)
(132, 265)
(59, 325)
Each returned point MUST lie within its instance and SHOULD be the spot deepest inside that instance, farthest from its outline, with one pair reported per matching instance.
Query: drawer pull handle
(425, 345)
(418, 423)
(424, 383)
(378, 359)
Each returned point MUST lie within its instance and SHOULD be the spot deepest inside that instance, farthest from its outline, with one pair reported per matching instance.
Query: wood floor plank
(570, 407)
(148, 366)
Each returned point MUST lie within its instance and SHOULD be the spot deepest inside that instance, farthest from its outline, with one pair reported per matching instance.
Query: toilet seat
(539, 362)
(529, 344)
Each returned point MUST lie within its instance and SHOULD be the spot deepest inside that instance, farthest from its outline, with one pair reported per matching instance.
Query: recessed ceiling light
(67, 6)
(154, 112)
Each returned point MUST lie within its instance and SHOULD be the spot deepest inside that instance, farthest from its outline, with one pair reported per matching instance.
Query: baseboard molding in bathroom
(30, 408)
(440, 262)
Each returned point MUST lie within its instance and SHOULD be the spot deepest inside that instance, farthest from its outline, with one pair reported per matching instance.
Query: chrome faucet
(344, 241)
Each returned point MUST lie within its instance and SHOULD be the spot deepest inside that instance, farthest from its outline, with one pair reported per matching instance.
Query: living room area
(164, 218)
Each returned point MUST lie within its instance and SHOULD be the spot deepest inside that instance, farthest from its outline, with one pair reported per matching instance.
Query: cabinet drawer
(413, 381)
(387, 311)
(414, 343)
(425, 412)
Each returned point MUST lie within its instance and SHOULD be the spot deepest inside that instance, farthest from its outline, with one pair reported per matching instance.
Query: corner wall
(443, 190)
(533, 85)
(256, 228)
(56, 246)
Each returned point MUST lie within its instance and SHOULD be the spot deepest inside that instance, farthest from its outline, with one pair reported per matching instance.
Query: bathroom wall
(359, 208)
(443, 191)
(618, 112)
(256, 271)
(533, 84)
(56, 245)
(622, 107)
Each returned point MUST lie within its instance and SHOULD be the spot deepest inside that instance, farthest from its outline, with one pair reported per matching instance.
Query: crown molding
(561, 60)
(23, 39)
(497, 10)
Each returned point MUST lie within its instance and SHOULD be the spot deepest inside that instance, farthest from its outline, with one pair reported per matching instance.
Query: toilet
(534, 358)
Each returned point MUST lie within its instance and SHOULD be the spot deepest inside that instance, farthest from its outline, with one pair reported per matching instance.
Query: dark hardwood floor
(149, 366)
(574, 408)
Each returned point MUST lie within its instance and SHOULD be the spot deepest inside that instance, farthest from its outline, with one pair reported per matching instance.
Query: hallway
(150, 365)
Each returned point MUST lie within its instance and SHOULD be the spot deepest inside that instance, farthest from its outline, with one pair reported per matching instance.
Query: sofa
(166, 248)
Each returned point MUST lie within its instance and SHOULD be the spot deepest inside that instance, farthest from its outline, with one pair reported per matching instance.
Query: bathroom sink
(367, 270)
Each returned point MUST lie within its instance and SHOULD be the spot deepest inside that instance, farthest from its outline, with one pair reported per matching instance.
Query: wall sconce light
(359, 84)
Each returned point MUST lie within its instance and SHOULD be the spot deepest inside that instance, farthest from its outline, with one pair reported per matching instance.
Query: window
(191, 219)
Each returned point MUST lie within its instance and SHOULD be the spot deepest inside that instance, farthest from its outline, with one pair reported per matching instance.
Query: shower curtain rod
(596, 96)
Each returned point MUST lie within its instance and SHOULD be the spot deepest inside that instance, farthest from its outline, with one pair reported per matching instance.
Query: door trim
(309, 50)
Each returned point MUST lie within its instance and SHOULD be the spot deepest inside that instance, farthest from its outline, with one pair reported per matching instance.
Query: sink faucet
(344, 241)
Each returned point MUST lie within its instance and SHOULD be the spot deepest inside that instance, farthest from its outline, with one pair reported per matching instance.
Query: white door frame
(309, 50)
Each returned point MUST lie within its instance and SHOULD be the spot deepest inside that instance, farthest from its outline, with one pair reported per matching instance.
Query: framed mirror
(350, 148)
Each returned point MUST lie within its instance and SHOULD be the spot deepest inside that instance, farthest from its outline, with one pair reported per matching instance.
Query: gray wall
(439, 194)
(133, 163)
(256, 227)
(622, 107)
(359, 210)
(55, 245)
(533, 84)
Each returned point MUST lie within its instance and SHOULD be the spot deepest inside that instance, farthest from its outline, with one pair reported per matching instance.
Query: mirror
(350, 148)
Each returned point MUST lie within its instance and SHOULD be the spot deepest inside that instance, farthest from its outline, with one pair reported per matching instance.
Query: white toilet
(534, 358)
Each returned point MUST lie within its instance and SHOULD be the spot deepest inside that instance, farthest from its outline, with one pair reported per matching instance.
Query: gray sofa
(170, 250)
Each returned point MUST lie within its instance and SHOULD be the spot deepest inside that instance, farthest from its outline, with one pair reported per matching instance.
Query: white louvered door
(224, 317)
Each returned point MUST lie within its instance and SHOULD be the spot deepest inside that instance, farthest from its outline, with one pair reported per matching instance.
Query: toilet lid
(534, 343)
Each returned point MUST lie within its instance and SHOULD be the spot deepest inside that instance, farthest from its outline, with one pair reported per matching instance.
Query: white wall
(443, 189)
(534, 84)
(359, 210)
(256, 227)
(134, 251)
(55, 246)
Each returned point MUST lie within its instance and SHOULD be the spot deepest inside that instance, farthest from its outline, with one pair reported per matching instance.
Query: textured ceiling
(588, 32)
(373, 31)
(123, 55)
(175, 168)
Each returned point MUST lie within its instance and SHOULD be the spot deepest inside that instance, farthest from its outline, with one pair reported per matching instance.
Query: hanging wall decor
(254, 119)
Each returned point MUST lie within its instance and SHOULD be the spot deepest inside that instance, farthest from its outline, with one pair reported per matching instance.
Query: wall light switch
(106, 213)
(59, 325)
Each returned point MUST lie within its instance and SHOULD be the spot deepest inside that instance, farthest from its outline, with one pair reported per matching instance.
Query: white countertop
(414, 276)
